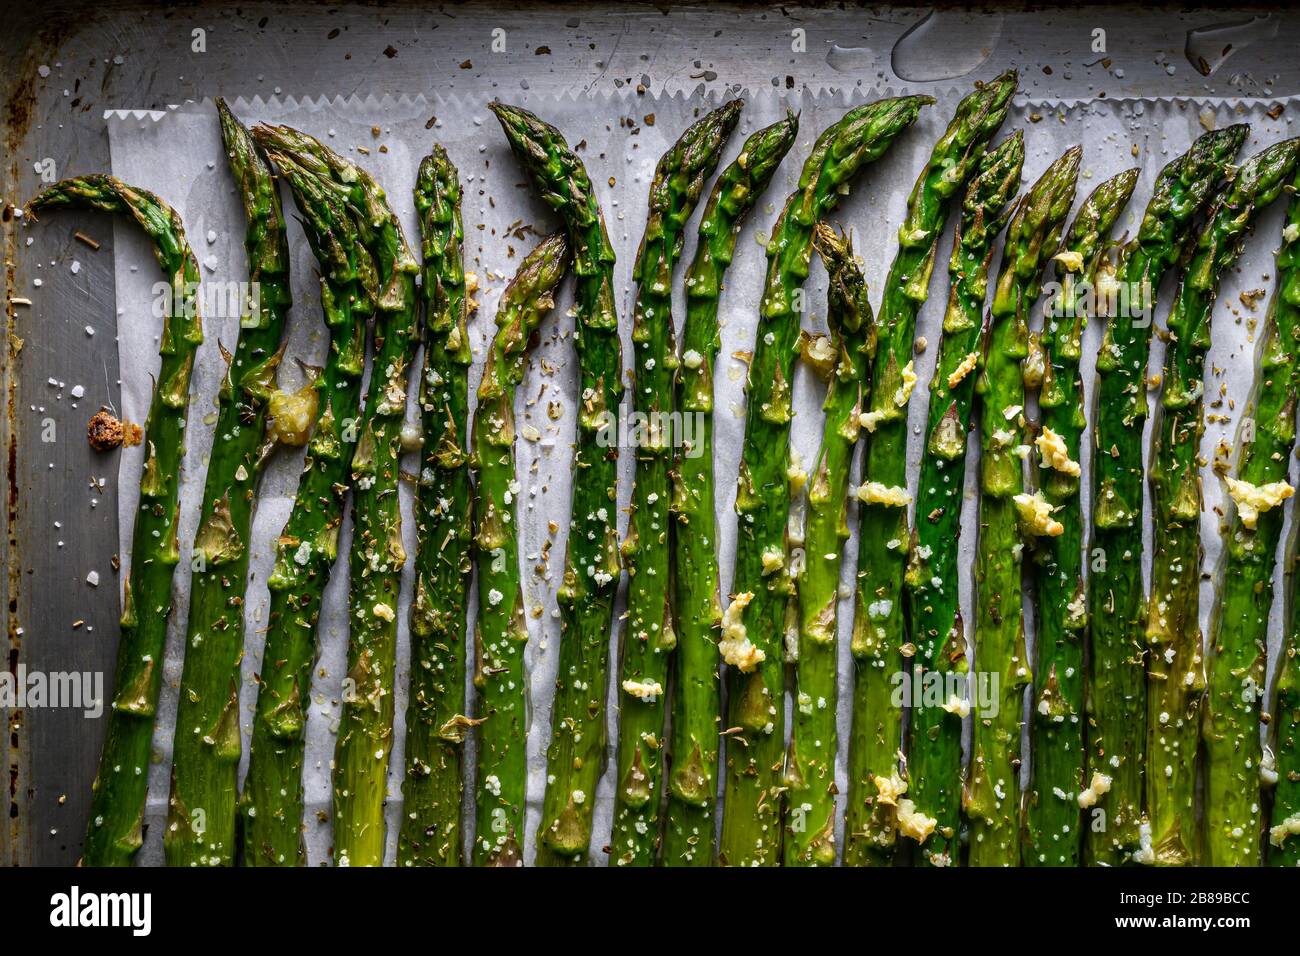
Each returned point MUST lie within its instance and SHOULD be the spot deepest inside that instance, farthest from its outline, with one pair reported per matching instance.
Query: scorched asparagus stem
(688, 830)
(1238, 639)
(752, 628)
(934, 758)
(1050, 835)
(502, 629)
(591, 565)
(1008, 518)
(114, 833)
(1115, 692)
(810, 761)
(272, 802)
(207, 744)
(436, 723)
(878, 639)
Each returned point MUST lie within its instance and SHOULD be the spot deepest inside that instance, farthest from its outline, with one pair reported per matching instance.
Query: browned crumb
(105, 432)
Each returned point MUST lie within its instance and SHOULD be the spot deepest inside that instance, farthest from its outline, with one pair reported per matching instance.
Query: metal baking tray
(66, 64)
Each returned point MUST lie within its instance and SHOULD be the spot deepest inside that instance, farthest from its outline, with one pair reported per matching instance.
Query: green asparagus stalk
(436, 723)
(648, 637)
(1050, 833)
(591, 566)
(272, 802)
(1264, 461)
(810, 761)
(938, 634)
(884, 537)
(1009, 518)
(377, 556)
(502, 630)
(115, 831)
(1233, 816)
(207, 745)
(1115, 693)
(1283, 845)
(688, 832)
(751, 830)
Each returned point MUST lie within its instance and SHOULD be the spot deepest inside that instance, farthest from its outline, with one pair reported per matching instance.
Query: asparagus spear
(591, 566)
(1175, 670)
(502, 631)
(1114, 694)
(377, 556)
(117, 808)
(1283, 845)
(751, 833)
(878, 635)
(271, 805)
(1263, 461)
(1008, 517)
(1050, 836)
(436, 724)
(648, 636)
(688, 832)
(934, 759)
(206, 746)
(810, 761)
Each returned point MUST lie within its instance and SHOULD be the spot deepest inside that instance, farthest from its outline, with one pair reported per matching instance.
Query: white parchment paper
(178, 154)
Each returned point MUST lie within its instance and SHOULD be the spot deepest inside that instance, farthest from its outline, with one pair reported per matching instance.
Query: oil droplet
(944, 45)
(1208, 47)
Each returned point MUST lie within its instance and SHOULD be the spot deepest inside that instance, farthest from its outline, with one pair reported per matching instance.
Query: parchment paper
(178, 154)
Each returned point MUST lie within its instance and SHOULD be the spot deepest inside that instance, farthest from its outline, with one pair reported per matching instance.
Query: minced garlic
(1289, 827)
(646, 690)
(735, 647)
(1055, 454)
(291, 415)
(965, 368)
(1253, 500)
(957, 705)
(909, 382)
(795, 473)
(1100, 785)
(889, 789)
(1036, 516)
(876, 493)
(1070, 261)
(912, 823)
(869, 420)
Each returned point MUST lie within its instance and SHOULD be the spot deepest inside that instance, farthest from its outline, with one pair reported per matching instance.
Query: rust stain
(19, 112)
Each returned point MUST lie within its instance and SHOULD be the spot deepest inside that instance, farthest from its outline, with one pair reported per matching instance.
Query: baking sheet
(195, 180)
